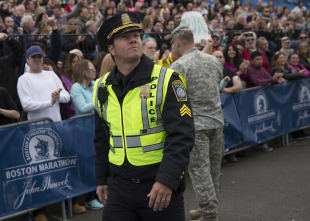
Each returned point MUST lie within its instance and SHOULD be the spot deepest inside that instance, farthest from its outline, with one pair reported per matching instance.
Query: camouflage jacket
(203, 74)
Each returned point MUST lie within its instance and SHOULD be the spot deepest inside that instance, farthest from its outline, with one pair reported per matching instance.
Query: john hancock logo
(303, 104)
(42, 171)
(41, 145)
(262, 114)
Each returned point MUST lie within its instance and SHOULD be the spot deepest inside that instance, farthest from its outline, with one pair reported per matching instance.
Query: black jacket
(304, 61)
(8, 78)
(69, 42)
(178, 143)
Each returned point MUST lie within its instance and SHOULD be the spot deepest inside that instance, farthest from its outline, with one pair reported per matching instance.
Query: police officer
(144, 130)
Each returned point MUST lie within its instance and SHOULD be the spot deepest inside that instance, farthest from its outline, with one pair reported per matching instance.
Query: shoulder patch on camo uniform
(179, 90)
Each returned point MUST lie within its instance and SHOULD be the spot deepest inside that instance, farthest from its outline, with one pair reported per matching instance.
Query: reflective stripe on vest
(136, 128)
(160, 94)
(160, 85)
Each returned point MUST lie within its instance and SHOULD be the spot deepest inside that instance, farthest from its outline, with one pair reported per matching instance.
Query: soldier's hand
(160, 196)
(102, 193)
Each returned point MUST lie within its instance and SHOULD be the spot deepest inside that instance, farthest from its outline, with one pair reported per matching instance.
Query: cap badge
(126, 19)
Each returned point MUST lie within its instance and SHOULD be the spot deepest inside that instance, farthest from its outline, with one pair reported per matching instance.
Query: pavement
(262, 186)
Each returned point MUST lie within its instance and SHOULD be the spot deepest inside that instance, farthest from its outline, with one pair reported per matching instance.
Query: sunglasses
(250, 39)
(305, 46)
(303, 37)
(216, 38)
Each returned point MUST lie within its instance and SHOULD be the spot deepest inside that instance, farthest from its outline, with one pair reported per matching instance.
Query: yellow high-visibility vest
(136, 127)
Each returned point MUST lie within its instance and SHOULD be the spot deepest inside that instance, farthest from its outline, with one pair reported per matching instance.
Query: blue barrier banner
(232, 128)
(45, 163)
(262, 113)
(299, 105)
(290, 3)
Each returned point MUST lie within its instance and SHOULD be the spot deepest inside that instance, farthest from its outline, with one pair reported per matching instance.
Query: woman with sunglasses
(279, 64)
(234, 61)
(304, 54)
(293, 61)
(71, 38)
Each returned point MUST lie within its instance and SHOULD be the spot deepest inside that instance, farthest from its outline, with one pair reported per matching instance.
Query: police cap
(116, 25)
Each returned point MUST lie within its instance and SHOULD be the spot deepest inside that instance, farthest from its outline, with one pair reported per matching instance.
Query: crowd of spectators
(257, 45)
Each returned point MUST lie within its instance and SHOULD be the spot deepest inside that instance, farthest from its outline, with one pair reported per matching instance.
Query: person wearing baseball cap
(40, 91)
(144, 129)
(285, 46)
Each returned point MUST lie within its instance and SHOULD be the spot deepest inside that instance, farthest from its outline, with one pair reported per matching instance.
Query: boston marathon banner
(263, 113)
(290, 3)
(45, 163)
(232, 128)
(299, 104)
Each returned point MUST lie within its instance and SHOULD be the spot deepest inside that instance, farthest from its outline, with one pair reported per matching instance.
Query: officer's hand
(160, 196)
(102, 193)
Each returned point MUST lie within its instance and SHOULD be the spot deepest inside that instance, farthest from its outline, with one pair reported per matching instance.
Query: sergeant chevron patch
(185, 110)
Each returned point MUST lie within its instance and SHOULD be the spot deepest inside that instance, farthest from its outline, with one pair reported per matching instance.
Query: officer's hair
(186, 39)
(147, 40)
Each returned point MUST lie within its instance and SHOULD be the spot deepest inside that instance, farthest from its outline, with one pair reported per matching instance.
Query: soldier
(203, 74)
(144, 129)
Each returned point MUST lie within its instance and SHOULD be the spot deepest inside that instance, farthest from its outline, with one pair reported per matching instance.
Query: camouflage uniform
(203, 74)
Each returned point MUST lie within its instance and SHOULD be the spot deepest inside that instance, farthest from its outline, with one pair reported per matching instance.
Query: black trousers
(128, 201)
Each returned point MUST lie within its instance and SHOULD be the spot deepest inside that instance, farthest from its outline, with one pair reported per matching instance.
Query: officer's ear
(111, 49)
